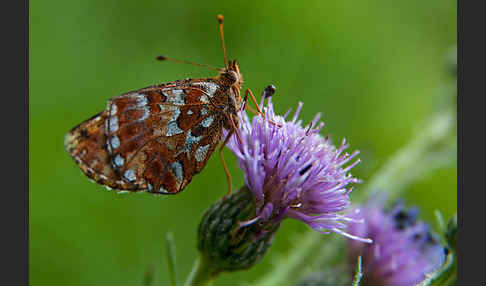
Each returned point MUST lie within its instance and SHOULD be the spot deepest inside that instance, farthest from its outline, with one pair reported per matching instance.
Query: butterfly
(157, 138)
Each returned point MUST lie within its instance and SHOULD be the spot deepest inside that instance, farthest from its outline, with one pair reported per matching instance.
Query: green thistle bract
(224, 243)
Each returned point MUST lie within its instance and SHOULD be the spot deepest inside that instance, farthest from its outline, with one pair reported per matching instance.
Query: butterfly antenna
(221, 32)
(165, 58)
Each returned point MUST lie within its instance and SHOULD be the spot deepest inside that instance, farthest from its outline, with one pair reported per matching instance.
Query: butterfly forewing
(152, 139)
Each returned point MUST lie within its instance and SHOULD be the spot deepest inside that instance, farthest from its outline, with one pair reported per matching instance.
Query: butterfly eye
(231, 76)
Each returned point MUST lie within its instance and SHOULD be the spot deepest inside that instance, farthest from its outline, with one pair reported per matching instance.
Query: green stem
(358, 274)
(201, 274)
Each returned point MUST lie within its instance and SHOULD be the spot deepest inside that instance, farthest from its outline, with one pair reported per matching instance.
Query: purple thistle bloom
(403, 249)
(293, 171)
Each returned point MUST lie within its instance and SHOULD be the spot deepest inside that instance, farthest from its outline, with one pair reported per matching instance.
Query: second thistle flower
(404, 250)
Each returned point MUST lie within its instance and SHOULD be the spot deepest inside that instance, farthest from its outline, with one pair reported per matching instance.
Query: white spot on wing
(114, 142)
(204, 99)
(130, 175)
(113, 109)
(177, 97)
(141, 100)
(204, 111)
(177, 169)
(146, 113)
(162, 190)
(119, 160)
(207, 121)
(201, 153)
(189, 112)
(190, 140)
(173, 128)
(210, 87)
(113, 127)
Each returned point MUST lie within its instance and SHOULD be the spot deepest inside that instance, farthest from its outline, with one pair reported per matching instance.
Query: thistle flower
(292, 171)
(403, 249)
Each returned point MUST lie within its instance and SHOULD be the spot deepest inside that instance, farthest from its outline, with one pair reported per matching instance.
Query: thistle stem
(201, 274)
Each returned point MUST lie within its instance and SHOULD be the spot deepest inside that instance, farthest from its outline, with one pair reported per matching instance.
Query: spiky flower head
(292, 171)
(403, 249)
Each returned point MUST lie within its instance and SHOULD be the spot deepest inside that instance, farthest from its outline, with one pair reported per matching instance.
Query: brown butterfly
(157, 138)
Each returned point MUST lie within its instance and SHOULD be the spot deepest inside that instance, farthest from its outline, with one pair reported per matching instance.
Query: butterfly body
(157, 138)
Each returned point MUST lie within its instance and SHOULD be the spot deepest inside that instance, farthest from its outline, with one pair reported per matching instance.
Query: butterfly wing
(153, 139)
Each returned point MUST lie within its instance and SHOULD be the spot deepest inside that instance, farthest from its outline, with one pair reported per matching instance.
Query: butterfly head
(232, 79)
(231, 75)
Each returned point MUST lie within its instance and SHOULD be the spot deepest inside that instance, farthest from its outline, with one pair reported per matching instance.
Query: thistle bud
(225, 242)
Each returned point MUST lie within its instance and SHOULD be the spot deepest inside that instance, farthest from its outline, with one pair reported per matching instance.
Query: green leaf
(451, 233)
(171, 256)
(440, 220)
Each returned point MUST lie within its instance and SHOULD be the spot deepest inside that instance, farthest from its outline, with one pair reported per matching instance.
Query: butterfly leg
(259, 111)
(234, 130)
(244, 105)
(248, 92)
(225, 167)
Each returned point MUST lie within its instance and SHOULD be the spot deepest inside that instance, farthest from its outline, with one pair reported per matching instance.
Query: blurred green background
(375, 69)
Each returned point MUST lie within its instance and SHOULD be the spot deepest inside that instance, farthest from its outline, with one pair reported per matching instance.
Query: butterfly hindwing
(86, 143)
